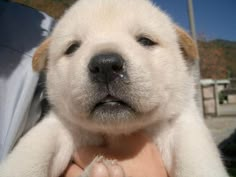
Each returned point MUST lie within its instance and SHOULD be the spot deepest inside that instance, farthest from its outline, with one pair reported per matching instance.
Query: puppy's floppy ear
(187, 45)
(39, 61)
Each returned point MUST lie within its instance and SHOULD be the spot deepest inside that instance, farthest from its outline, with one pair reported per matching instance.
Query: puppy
(115, 67)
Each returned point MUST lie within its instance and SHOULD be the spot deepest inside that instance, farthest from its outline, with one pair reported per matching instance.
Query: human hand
(136, 155)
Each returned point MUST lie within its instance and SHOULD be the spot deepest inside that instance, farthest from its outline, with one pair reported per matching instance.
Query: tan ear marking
(187, 44)
(40, 56)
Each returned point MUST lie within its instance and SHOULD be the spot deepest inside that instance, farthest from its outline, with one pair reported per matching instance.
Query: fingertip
(99, 170)
(117, 171)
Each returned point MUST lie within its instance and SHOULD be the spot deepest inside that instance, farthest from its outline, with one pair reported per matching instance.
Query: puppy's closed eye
(72, 48)
(145, 41)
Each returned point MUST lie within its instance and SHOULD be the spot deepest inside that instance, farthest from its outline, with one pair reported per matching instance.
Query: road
(221, 127)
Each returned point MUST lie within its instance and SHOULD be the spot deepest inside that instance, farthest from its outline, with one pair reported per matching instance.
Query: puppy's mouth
(111, 101)
(110, 104)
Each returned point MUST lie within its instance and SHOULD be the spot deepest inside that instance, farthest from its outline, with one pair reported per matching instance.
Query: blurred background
(215, 26)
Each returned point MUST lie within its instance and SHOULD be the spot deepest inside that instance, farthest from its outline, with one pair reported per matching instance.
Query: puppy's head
(116, 66)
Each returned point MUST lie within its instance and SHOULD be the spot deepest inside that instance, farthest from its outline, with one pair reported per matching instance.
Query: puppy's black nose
(106, 67)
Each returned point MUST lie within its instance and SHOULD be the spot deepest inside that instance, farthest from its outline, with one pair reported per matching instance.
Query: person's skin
(136, 153)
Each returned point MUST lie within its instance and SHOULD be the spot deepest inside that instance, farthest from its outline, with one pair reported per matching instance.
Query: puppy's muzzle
(106, 67)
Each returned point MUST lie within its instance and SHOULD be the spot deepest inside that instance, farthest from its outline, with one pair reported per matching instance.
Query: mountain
(218, 58)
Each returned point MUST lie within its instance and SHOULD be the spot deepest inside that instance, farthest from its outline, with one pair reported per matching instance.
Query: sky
(214, 19)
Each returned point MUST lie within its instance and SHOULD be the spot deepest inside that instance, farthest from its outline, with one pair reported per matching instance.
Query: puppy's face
(116, 66)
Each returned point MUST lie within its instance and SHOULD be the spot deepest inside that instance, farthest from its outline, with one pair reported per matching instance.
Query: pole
(196, 67)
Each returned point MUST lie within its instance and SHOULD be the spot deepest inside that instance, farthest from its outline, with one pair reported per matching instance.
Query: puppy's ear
(187, 44)
(39, 61)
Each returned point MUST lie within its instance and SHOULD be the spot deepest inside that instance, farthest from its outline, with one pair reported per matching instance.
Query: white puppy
(115, 67)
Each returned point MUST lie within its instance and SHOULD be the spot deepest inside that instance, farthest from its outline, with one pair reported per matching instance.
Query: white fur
(160, 87)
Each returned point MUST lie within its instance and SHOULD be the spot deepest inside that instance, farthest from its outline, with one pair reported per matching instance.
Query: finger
(114, 169)
(73, 171)
(99, 170)
(107, 168)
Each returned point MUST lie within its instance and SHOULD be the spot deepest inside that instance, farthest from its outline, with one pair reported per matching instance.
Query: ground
(221, 127)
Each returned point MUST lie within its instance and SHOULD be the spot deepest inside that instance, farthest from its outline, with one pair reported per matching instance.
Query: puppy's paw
(101, 167)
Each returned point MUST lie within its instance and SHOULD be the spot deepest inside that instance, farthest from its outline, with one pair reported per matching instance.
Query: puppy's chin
(114, 123)
(112, 112)
(115, 119)
(111, 109)
(111, 118)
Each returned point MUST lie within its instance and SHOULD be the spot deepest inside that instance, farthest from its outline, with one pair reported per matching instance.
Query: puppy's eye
(144, 41)
(72, 48)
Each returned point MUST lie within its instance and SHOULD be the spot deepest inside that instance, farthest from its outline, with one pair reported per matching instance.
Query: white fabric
(21, 30)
